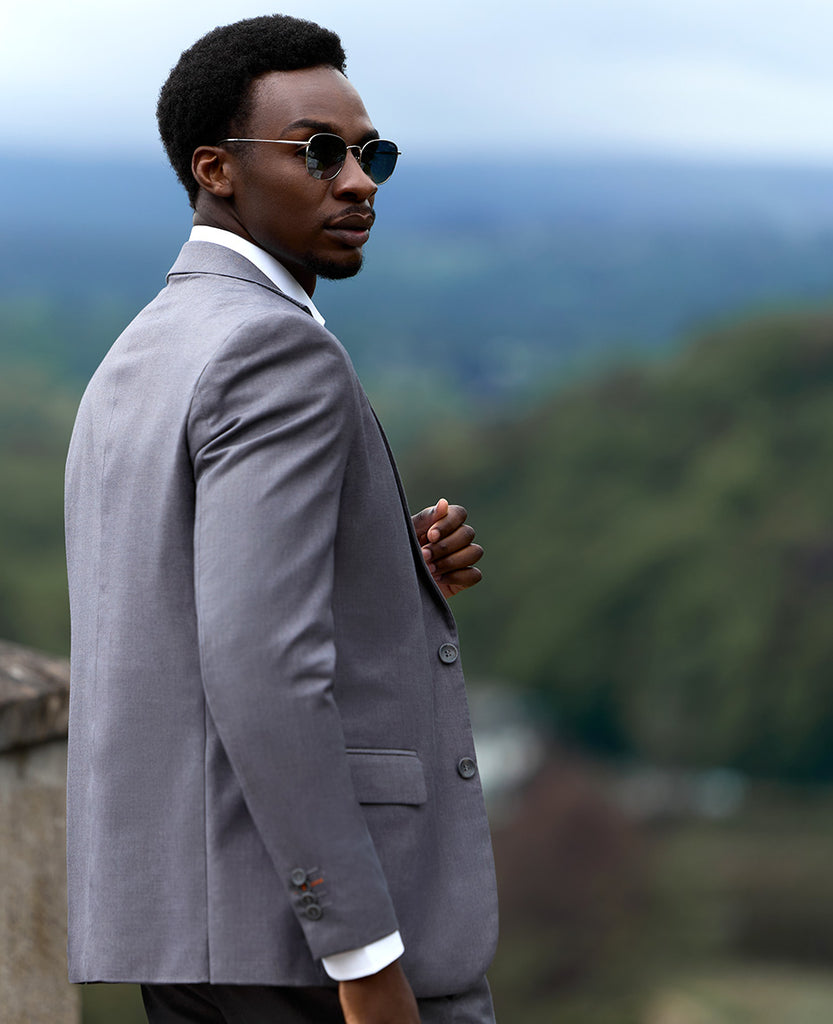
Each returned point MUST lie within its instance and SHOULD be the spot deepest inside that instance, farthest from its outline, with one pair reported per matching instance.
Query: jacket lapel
(422, 568)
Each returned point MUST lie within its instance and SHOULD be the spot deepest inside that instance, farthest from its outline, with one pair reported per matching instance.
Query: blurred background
(597, 311)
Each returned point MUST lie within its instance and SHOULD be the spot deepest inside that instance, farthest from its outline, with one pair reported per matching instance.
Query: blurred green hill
(481, 288)
(656, 511)
(36, 414)
(660, 551)
(659, 545)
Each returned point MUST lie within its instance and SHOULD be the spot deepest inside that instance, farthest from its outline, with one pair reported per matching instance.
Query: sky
(725, 79)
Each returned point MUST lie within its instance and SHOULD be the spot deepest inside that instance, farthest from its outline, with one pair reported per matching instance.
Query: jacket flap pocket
(387, 776)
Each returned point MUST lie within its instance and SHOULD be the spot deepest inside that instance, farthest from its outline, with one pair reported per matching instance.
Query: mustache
(358, 211)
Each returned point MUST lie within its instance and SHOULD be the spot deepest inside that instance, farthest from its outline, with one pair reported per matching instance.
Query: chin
(332, 270)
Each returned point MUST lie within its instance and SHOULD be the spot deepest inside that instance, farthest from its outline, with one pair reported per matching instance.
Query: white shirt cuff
(366, 960)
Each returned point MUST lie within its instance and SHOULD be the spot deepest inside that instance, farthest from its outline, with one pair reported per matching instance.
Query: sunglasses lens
(325, 156)
(379, 159)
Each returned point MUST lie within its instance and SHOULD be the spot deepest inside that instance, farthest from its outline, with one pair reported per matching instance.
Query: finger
(452, 583)
(462, 559)
(460, 538)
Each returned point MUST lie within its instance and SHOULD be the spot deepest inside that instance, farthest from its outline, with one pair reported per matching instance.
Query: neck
(212, 213)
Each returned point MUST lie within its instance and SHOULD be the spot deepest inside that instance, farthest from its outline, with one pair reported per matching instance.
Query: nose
(352, 180)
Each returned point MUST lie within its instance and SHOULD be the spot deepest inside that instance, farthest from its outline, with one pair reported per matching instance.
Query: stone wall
(34, 698)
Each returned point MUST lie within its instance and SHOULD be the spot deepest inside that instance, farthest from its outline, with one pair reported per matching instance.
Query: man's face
(314, 228)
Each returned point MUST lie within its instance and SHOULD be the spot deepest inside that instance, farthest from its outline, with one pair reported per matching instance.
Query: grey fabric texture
(263, 738)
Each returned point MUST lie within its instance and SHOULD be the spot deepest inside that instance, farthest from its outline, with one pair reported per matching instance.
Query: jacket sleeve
(270, 429)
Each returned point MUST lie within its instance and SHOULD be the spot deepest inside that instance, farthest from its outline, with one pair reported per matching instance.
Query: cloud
(707, 76)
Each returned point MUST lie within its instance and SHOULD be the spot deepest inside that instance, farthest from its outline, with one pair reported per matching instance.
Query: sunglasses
(326, 154)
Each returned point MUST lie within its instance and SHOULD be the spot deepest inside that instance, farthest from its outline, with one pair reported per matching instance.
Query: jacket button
(448, 653)
(308, 899)
(298, 876)
(314, 912)
(466, 768)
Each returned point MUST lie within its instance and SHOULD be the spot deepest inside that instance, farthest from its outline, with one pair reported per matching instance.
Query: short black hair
(208, 91)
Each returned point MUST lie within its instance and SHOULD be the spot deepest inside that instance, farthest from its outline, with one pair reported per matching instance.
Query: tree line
(659, 567)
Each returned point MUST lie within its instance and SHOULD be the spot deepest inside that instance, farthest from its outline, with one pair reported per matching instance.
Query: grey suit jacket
(268, 725)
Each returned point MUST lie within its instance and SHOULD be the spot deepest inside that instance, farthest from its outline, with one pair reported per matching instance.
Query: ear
(211, 168)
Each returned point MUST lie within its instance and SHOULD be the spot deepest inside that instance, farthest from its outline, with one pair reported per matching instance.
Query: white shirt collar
(266, 264)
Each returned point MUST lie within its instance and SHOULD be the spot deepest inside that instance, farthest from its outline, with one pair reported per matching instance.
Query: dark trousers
(256, 1004)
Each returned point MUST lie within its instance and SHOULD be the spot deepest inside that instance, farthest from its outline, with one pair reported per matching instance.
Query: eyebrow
(324, 126)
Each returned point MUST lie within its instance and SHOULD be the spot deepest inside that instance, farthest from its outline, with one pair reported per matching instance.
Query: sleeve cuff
(366, 960)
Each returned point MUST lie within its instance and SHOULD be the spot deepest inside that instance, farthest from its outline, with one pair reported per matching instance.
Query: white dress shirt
(266, 264)
(366, 960)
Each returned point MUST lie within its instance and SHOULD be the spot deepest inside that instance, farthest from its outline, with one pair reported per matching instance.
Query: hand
(447, 547)
(381, 998)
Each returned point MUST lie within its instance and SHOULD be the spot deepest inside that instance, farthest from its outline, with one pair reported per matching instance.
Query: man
(274, 812)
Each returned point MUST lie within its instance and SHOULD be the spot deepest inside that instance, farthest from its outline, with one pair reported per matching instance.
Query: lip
(353, 222)
(350, 236)
(352, 228)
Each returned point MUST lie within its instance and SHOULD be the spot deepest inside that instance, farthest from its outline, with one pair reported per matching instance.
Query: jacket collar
(208, 258)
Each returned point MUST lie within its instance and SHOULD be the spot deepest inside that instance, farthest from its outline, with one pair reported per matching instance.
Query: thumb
(424, 520)
(440, 512)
